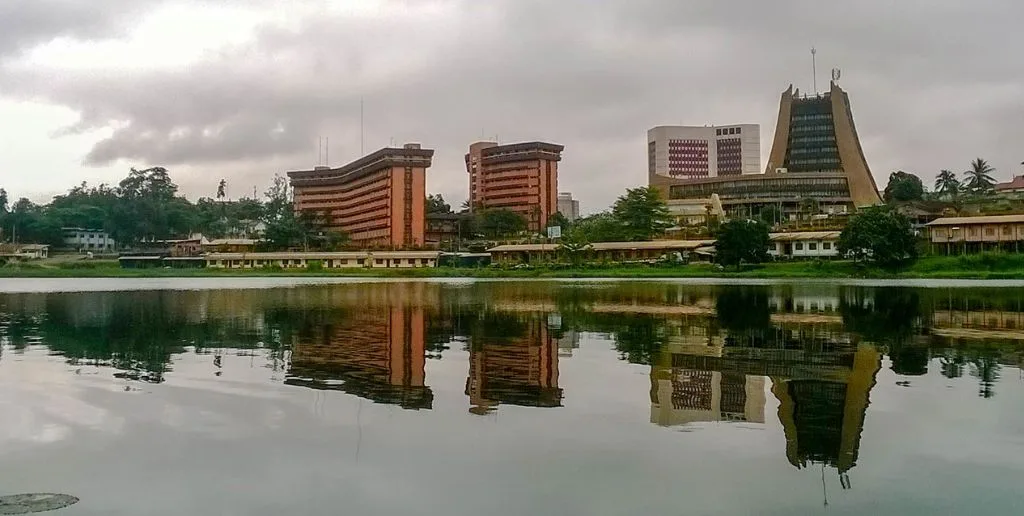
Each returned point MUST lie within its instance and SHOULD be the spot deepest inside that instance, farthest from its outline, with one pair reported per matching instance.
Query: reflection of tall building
(522, 371)
(681, 396)
(823, 415)
(376, 354)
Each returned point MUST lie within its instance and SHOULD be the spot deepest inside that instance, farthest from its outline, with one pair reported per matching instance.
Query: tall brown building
(378, 200)
(520, 177)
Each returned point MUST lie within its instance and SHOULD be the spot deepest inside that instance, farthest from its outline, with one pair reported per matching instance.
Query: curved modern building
(815, 154)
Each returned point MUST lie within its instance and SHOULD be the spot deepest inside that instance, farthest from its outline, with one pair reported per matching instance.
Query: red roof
(1016, 184)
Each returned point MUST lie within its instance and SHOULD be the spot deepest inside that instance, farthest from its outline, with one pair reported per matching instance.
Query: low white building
(336, 260)
(81, 239)
(23, 251)
(804, 244)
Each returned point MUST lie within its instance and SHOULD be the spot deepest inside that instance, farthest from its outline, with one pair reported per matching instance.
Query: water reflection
(715, 353)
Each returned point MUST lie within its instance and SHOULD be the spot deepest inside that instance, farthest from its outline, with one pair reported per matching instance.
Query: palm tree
(979, 177)
(946, 183)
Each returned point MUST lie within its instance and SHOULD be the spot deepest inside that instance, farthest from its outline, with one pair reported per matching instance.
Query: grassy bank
(981, 266)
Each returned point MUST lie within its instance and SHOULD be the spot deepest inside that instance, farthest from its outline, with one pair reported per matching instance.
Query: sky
(245, 89)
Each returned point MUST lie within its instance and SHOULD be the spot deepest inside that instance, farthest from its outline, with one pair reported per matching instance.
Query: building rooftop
(410, 155)
(805, 235)
(1016, 184)
(609, 246)
(984, 219)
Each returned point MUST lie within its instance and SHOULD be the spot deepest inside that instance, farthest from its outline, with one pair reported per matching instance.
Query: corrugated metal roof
(805, 235)
(351, 255)
(985, 219)
(608, 246)
(232, 241)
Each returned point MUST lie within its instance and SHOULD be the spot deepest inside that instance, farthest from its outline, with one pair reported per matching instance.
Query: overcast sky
(243, 89)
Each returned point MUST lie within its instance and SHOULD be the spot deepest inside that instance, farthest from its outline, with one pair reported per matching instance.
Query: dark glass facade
(812, 137)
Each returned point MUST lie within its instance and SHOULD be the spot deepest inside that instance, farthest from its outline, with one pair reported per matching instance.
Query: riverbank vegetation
(980, 266)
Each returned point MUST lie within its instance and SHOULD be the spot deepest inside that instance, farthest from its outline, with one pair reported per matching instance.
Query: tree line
(975, 182)
(146, 207)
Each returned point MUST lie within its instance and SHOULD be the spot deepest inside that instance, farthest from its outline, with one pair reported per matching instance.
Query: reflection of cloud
(41, 404)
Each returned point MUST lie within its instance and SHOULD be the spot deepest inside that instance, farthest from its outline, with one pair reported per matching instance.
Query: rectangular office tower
(378, 200)
(685, 152)
(520, 177)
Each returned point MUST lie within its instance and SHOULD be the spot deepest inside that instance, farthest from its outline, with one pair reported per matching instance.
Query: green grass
(980, 266)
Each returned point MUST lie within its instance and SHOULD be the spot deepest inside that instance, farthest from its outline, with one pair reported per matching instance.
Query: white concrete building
(684, 152)
(81, 239)
(804, 244)
(326, 260)
(568, 207)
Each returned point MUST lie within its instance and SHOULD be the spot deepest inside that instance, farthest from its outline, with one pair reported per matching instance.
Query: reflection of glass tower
(377, 354)
(823, 415)
(681, 396)
(523, 371)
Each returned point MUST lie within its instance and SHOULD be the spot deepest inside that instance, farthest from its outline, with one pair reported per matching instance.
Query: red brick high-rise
(520, 177)
(378, 200)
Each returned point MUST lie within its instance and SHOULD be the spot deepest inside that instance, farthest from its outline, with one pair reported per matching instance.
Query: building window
(813, 246)
(718, 132)
(826, 246)
(990, 231)
(379, 261)
(1007, 230)
(798, 246)
(739, 130)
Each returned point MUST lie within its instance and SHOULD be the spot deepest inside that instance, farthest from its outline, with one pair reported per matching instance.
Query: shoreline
(978, 267)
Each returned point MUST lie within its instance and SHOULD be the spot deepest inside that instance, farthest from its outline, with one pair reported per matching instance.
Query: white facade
(704, 151)
(810, 244)
(326, 260)
(88, 239)
(568, 207)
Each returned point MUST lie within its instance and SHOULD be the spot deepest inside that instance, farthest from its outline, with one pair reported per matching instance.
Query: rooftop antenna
(361, 151)
(319, 150)
(327, 151)
(814, 69)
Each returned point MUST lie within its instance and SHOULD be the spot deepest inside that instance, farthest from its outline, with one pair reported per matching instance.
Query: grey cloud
(26, 23)
(932, 83)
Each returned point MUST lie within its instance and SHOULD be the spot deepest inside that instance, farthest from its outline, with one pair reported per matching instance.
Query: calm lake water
(270, 397)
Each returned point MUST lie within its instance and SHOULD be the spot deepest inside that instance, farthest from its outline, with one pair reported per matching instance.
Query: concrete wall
(807, 249)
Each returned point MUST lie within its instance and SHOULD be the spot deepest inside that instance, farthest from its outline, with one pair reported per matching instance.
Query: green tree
(642, 213)
(740, 241)
(222, 189)
(600, 227)
(946, 184)
(978, 179)
(500, 223)
(879, 235)
(903, 187)
(557, 219)
(435, 204)
(770, 215)
(809, 207)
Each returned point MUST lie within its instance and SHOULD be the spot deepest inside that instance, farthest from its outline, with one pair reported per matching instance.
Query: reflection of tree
(986, 369)
(640, 339)
(909, 360)
(744, 312)
(891, 317)
(952, 363)
(885, 316)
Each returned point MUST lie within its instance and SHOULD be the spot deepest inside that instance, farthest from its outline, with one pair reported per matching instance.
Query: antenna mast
(361, 151)
(814, 70)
